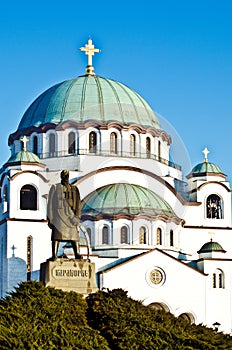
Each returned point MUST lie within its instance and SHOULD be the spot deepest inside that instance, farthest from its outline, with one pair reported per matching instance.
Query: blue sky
(176, 54)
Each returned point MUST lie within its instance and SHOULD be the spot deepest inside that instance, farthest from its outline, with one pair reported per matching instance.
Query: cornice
(90, 124)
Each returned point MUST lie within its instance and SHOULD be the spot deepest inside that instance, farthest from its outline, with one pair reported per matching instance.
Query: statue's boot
(55, 246)
(76, 250)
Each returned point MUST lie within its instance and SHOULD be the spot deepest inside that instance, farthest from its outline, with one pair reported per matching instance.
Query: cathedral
(163, 239)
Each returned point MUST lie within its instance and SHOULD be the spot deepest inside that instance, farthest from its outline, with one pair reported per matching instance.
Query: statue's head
(64, 175)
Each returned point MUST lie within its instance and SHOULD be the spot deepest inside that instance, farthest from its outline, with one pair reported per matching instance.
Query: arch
(28, 198)
(35, 144)
(171, 238)
(71, 143)
(214, 207)
(159, 149)
(113, 143)
(52, 145)
(124, 235)
(148, 147)
(5, 198)
(92, 142)
(218, 279)
(143, 235)
(158, 236)
(105, 234)
(5, 194)
(159, 306)
(187, 317)
(132, 144)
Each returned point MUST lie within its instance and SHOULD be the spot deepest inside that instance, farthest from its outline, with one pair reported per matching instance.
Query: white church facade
(149, 231)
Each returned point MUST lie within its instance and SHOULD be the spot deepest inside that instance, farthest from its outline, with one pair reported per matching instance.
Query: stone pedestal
(69, 275)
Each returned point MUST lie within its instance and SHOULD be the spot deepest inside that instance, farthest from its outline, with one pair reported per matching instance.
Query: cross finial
(13, 250)
(206, 152)
(24, 140)
(211, 236)
(89, 50)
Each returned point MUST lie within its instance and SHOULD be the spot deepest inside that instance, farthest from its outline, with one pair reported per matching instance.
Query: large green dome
(124, 198)
(89, 97)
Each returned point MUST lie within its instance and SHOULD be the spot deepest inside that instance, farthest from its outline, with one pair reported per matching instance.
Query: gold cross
(24, 140)
(211, 234)
(206, 152)
(89, 50)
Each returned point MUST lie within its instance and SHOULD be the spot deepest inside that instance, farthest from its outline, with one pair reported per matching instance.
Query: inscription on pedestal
(69, 274)
(61, 273)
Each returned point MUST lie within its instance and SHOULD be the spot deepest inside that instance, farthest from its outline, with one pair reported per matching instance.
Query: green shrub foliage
(35, 317)
(128, 324)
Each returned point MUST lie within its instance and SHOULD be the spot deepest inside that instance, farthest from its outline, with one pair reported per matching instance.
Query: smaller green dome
(128, 199)
(23, 157)
(205, 168)
(211, 247)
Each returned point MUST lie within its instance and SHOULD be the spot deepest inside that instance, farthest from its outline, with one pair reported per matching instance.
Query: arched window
(214, 207)
(5, 194)
(89, 234)
(159, 306)
(105, 235)
(71, 143)
(187, 317)
(159, 149)
(113, 143)
(148, 147)
(142, 235)
(171, 238)
(35, 145)
(28, 198)
(132, 145)
(52, 145)
(124, 235)
(158, 236)
(92, 142)
(5, 198)
(29, 256)
(218, 279)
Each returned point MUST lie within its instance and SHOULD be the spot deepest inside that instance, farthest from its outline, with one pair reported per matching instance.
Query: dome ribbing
(211, 247)
(86, 98)
(206, 167)
(24, 157)
(124, 198)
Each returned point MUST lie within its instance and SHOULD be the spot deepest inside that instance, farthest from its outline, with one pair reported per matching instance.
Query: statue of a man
(64, 211)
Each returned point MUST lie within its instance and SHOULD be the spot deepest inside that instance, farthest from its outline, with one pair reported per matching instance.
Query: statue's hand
(75, 221)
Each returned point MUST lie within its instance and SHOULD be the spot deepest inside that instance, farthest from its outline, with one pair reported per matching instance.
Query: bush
(128, 324)
(38, 318)
(35, 317)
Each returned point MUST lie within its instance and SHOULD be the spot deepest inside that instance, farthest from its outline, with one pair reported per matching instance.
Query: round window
(155, 276)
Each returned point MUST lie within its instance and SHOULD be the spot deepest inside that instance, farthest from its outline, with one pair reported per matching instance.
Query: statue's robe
(63, 211)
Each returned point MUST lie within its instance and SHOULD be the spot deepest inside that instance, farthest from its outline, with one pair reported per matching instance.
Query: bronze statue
(64, 211)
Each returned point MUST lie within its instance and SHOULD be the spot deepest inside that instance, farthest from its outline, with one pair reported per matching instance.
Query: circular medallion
(156, 276)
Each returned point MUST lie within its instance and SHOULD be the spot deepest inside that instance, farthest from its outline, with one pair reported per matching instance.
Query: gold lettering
(71, 273)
